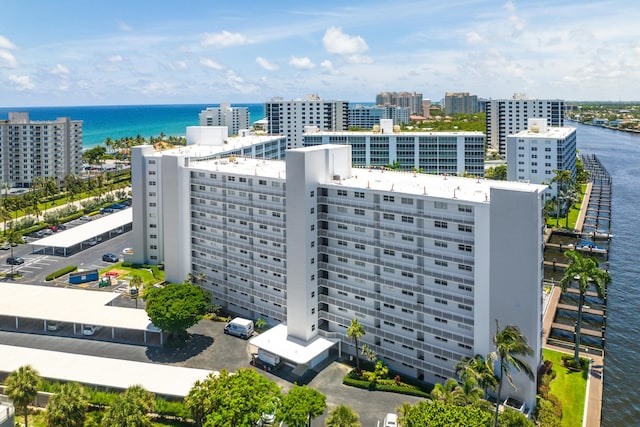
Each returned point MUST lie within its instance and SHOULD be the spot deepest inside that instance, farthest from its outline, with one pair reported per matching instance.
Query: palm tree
(478, 369)
(342, 416)
(562, 177)
(68, 407)
(356, 331)
(446, 392)
(22, 387)
(584, 271)
(510, 344)
(130, 409)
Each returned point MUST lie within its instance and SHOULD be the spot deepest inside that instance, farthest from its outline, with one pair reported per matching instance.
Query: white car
(390, 420)
(5, 246)
(90, 329)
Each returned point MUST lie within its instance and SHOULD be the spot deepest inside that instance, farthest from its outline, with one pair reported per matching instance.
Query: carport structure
(82, 234)
(71, 306)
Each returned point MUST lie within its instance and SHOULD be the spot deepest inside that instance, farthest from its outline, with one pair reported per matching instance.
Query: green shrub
(175, 409)
(61, 272)
(545, 414)
(126, 264)
(354, 380)
(557, 405)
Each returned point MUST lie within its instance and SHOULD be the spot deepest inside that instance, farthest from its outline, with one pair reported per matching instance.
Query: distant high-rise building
(234, 118)
(534, 154)
(508, 116)
(460, 103)
(44, 149)
(426, 108)
(290, 117)
(367, 117)
(413, 101)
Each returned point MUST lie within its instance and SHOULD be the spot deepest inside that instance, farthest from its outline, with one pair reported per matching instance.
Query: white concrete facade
(367, 117)
(509, 116)
(234, 118)
(46, 149)
(290, 117)
(535, 153)
(452, 153)
(426, 263)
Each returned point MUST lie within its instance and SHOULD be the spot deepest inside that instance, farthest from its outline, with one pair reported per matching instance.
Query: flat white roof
(102, 371)
(554, 132)
(441, 186)
(70, 306)
(414, 134)
(276, 341)
(230, 144)
(82, 232)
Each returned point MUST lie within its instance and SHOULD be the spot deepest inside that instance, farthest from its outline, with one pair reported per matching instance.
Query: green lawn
(146, 274)
(570, 387)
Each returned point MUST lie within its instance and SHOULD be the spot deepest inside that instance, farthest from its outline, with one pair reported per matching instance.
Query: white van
(390, 420)
(239, 327)
(53, 325)
(90, 329)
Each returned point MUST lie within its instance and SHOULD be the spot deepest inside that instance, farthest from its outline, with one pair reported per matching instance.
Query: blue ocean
(118, 121)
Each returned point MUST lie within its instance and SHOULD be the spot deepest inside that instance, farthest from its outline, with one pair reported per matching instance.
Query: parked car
(53, 228)
(90, 329)
(47, 232)
(15, 260)
(37, 234)
(91, 242)
(390, 420)
(106, 210)
(110, 258)
(54, 326)
(126, 202)
(61, 227)
(5, 246)
(118, 206)
(85, 218)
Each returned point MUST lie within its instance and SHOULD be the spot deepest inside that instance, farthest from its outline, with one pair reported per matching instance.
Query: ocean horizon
(119, 121)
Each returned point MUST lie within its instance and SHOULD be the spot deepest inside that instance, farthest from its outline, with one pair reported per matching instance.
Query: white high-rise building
(428, 264)
(453, 153)
(508, 116)
(47, 149)
(412, 101)
(366, 117)
(533, 155)
(290, 117)
(234, 118)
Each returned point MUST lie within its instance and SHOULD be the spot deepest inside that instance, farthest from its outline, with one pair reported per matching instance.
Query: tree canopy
(130, 409)
(228, 400)
(300, 405)
(497, 173)
(22, 387)
(342, 416)
(68, 407)
(176, 307)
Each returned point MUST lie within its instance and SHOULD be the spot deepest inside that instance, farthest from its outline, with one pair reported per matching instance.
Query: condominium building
(367, 117)
(460, 103)
(453, 153)
(46, 149)
(290, 117)
(427, 264)
(234, 118)
(509, 116)
(534, 154)
(413, 101)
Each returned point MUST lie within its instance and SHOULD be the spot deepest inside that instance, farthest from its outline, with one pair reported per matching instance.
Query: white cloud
(7, 59)
(157, 88)
(359, 59)
(302, 63)
(60, 69)
(337, 42)
(327, 65)
(474, 38)
(5, 43)
(22, 82)
(178, 65)
(210, 63)
(264, 63)
(517, 23)
(223, 39)
(115, 58)
(124, 26)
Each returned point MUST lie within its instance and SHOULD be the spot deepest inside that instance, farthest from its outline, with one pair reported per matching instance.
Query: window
(342, 193)
(389, 216)
(312, 193)
(440, 224)
(313, 227)
(440, 205)
(441, 244)
(464, 248)
(389, 252)
(358, 212)
(342, 227)
(407, 256)
(407, 219)
(465, 208)
(465, 267)
(342, 243)
(231, 178)
(465, 228)
(389, 198)
(360, 246)
(440, 282)
(312, 211)
(358, 195)
(441, 263)
(406, 201)
(407, 238)
(262, 182)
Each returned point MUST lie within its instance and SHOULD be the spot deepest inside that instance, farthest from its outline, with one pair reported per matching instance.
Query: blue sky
(79, 52)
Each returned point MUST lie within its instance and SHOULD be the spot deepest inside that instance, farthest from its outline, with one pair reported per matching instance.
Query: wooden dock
(572, 329)
(585, 309)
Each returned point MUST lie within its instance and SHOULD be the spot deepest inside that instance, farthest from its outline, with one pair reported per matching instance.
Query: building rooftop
(470, 189)
(231, 144)
(276, 341)
(556, 132)
(378, 133)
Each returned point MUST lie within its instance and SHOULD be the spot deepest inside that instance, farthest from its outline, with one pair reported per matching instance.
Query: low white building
(426, 263)
(534, 154)
(452, 153)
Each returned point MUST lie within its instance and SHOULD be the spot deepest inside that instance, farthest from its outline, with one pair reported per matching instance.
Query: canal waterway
(619, 153)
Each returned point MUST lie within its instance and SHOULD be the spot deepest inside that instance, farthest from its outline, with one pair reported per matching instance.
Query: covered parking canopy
(85, 232)
(77, 307)
(165, 380)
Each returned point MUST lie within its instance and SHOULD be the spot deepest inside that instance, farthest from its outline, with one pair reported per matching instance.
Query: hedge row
(383, 387)
(61, 272)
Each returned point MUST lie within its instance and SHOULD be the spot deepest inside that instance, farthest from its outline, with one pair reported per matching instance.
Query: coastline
(631, 131)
